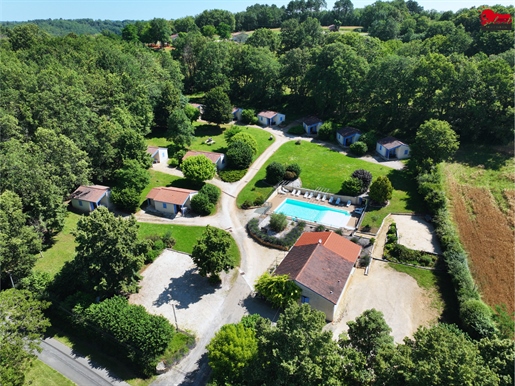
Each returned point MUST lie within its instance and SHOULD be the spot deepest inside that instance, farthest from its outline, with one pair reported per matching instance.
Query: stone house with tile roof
(321, 263)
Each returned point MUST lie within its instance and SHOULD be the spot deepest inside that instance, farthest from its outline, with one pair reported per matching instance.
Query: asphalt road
(78, 369)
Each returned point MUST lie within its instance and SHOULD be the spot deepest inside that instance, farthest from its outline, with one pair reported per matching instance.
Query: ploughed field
(484, 212)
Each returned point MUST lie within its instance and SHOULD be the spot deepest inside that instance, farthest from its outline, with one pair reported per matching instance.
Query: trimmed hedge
(275, 242)
(229, 175)
(474, 318)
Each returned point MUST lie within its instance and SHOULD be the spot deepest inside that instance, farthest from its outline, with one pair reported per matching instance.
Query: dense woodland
(75, 109)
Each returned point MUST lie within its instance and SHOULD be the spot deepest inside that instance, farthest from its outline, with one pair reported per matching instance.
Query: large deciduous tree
(180, 129)
(108, 253)
(198, 168)
(435, 142)
(244, 137)
(18, 242)
(210, 254)
(230, 351)
(217, 106)
(21, 330)
(131, 179)
(160, 31)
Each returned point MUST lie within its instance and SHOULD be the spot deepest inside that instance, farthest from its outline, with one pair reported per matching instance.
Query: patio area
(279, 196)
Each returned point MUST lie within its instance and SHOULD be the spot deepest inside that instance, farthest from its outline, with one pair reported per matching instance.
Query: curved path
(193, 369)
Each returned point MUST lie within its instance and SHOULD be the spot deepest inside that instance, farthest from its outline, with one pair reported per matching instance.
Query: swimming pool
(315, 213)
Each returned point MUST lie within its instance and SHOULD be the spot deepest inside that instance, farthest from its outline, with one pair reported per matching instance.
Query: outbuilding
(158, 154)
(170, 200)
(217, 158)
(88, 198)
(311, 124)
(270, 118)
(346, 136)
(391, 148)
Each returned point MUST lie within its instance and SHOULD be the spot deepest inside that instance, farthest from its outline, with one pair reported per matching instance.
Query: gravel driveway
(397, 295)
(416, 233)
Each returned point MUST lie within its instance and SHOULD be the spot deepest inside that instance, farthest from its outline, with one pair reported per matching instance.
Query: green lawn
(62, 249)
(326, 168)
(39, 374)
(203, 131)
(186, 237)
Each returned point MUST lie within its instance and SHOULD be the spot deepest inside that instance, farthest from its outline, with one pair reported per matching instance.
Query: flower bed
(275, 242)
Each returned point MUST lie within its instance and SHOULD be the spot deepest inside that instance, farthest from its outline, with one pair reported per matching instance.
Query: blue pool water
(315, 213)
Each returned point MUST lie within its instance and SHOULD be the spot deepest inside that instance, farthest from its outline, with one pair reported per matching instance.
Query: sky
(23, 10)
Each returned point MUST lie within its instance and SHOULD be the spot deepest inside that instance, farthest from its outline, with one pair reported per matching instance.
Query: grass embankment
(39, 374)
(323, 167)
(439, 286)
(482, 196)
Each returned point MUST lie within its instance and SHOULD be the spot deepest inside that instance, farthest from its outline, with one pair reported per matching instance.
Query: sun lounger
(358, 210)
(318, 197)
(348, 203)
(310, 196)
(298, 193)
(284, 189)
(331, 200)
(294, 191)
(325, 197)
(306, 195)
(337, 201)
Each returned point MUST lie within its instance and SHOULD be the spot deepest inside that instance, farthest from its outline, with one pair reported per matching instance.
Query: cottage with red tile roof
(270, 118)
(88, 198)
(217, 158)
(170, 200)
(321, 263)
(391, 148)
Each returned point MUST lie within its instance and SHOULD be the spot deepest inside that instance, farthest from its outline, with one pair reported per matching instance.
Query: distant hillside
(60, 27)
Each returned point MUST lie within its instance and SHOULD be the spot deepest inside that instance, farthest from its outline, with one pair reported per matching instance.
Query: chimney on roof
(319, 241)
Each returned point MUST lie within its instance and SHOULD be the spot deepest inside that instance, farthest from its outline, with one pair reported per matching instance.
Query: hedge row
(475, 316)
(275, 242)
(401, 254)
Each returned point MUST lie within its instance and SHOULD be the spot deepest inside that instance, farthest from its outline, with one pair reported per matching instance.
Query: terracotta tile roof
(336, 243)
(214, 157)
(311, 120)
(92, 193)
(152, 149)
(267, 114)
(346, 131)
(317, 268)
(170, 195)
(390, 143)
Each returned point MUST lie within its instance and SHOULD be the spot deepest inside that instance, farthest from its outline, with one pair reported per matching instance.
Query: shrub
(358, 148)
(274, 173)
(173, 163)
(298, 142)
(365, 177)
(297, 130)
(339, 231)
(381, 189)
(288, 175)
(246, 138)
(477, 319)
(351, 187)
(364, 261)
(201, 205)
(248, 116)
(369, 139)
(198, 168)
(239, 155)
(126, 198)
(278, 290)
(320, 228)
(228, 175)
(179, 155)
(327, 131)
(278, 222)
(212, 192)
(259, 200)
(246, 204)
(168, 239)
(295, 168)
(231, 132)
(355, 240)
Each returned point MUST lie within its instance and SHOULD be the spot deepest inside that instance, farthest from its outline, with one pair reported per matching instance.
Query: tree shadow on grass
(481, 155)
(208, 131)
(262, 184)
(401, 180)
(184, 183)
(185, 290)
(446, 289)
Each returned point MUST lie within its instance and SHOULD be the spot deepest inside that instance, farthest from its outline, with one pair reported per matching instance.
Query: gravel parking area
(397, 295)
(172, 280)
(416, 233)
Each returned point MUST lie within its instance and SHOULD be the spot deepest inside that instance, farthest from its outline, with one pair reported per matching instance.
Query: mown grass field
(185, 236)
(39, 374)
(323, 167)
(62, 250)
